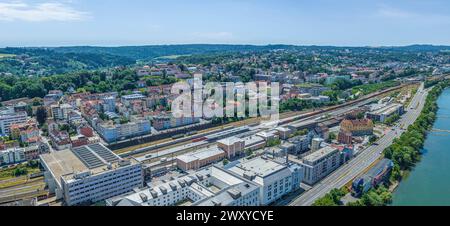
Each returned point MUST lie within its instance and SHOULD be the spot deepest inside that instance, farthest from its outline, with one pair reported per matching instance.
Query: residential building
(74, 118)
(319, 164)
(52, 97)
(331, 79)
(27, 132)
(12, 156)
(313, 89)
(115, 132)
(79, 140)
(301, 144)
(316, 143)
(61, 111)
(161, 122)
(128, 98)
(86, 131)
(33, 152)
(168, 121)
(287, 148)
(109, 104)
(9, 118)
(21, 106)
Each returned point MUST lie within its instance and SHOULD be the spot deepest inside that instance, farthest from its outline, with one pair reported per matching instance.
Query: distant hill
(43, 62)
(59, 60)
(155, 51)
(420, 48)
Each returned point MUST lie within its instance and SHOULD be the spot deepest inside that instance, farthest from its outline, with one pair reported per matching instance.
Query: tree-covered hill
(154, 51)
(44, 62)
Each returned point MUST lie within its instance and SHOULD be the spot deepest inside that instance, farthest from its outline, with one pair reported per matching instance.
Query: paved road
(365, 159)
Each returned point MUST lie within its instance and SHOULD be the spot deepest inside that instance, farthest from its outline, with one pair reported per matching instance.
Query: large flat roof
(230, 140)
(251, 140)
(387, 109)
(94, 158)
(201, 154)
(63, 163)
(95, 155)
(320, 154)
(259, 166)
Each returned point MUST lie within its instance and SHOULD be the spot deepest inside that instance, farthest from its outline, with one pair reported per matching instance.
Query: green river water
(429, 183)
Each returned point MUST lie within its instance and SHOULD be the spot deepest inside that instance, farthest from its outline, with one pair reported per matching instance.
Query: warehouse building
(212, 186)
(251, 183)
(380, 115)
(200, 158)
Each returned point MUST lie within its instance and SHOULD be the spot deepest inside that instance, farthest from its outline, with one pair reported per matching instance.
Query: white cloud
(389, 12)
(47, 11)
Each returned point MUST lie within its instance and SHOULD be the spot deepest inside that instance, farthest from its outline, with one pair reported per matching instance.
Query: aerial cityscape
(221, 118)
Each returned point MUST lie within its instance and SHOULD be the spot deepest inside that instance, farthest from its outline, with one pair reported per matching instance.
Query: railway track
(285, 118)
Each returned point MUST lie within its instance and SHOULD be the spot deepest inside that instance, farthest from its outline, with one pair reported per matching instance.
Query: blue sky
(139, 22)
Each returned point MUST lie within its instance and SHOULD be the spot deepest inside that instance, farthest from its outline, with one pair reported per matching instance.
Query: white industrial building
(255, 182)
(89, 174)
(274, 179)
(383, 113)
(211, 186)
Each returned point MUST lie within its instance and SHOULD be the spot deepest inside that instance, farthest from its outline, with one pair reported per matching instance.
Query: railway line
(285, 118)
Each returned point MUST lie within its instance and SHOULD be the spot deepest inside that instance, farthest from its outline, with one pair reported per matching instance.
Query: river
(429, 183)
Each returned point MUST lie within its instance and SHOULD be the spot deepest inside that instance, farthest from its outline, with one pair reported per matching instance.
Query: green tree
(41, 115)
(333, 198)
(332, 136)
(273, 142)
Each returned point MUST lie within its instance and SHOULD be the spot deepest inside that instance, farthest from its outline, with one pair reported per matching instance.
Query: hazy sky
(139, 22)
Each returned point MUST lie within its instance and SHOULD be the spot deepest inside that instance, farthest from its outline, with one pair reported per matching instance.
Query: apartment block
(320, 163)
(9, 118)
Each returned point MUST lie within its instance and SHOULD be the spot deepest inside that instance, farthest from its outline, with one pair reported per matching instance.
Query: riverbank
(405, 152)
(427, 184)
